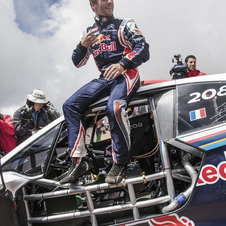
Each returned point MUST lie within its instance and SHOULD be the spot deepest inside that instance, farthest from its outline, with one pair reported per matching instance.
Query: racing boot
(116, 174)
(77, 169)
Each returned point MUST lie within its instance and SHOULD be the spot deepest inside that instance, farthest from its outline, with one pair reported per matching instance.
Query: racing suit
(194, 73)
(119, 41)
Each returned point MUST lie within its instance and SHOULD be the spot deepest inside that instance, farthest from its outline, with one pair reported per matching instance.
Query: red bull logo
(172, 220)
(169, 220)
(104, 19)
(103, 46)
(130, 55)
(101, 38)
(211, 174)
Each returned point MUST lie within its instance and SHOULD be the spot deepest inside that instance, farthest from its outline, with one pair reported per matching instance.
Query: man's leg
(74, 109)
(116, 111)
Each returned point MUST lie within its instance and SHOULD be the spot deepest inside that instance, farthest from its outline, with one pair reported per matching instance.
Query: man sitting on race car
(118, 48)
(190, 60)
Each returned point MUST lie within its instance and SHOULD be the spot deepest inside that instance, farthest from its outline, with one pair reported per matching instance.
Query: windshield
(200, 105)
(30, 160)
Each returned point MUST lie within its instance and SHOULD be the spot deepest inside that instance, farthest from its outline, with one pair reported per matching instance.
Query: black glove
(26, 115)
(1, 117)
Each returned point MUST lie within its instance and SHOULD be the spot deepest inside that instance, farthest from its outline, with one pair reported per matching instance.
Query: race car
(176, 174)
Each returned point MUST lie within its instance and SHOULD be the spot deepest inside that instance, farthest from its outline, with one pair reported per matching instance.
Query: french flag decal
(197, 114)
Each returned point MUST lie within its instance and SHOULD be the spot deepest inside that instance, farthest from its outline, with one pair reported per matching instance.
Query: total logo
(169, 220)
(211, 174)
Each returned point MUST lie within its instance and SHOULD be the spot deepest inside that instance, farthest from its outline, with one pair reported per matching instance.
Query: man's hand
(113, 71)
(89, 39)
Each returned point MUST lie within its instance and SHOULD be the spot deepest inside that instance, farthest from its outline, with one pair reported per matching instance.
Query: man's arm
(82, 51)
(132, 37)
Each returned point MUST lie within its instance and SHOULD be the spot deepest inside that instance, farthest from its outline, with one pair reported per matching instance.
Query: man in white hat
(31, 117)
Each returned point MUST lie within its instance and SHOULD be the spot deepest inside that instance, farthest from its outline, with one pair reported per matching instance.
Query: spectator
(190, 60)
(31, 117)
(7, 134)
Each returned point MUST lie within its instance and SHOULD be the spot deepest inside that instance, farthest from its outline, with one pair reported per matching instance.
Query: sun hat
(37, 96)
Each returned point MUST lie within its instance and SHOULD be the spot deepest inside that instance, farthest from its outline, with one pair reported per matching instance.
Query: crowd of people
(27, 120)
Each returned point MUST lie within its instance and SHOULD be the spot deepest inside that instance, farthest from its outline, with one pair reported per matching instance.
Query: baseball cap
(37, 96)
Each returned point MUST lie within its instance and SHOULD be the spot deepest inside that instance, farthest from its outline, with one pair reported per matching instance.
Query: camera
(179, 69)
(26, 114)
(30, 111)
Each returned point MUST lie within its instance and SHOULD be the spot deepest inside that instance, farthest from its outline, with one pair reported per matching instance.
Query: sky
(38, 37)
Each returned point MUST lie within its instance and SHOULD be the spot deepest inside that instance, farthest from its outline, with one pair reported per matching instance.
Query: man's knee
(116, 109)
(72, 106)
(120, 123)
(66, 106)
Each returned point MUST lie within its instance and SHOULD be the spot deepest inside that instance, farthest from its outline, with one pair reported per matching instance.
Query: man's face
(103, 7)
(191, 64)
(37, 106)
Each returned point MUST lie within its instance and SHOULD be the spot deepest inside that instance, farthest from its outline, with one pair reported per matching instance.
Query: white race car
(176, 175)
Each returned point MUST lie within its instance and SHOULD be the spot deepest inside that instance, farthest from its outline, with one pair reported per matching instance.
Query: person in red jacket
(7, 134)
(190, 60)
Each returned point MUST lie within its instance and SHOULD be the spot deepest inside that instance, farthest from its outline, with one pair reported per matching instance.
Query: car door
(8, 213)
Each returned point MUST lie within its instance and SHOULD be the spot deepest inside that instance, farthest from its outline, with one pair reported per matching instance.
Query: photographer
(190, 60)
(7, 135)
(184, 70)
(31, 117)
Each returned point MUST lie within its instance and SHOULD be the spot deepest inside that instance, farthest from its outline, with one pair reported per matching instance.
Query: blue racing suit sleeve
(138, 51)
(80, 54)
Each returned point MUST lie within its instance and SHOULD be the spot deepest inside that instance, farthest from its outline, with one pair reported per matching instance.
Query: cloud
(37, 17)
(29, 60)
(38, 38)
